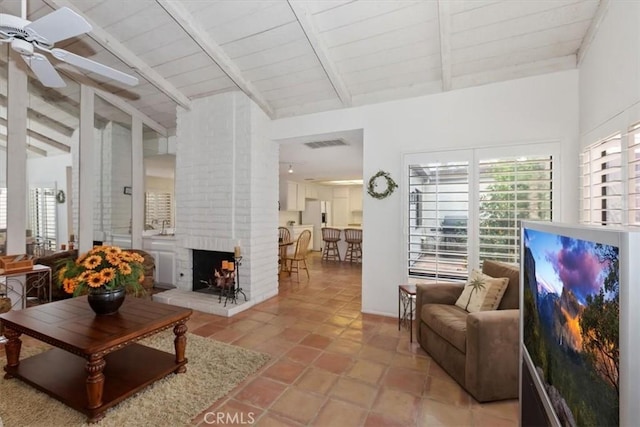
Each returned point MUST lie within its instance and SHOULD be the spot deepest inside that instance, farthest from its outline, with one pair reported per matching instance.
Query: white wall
(159, 185)
(536, 109)
(610, 74)
(285, 216)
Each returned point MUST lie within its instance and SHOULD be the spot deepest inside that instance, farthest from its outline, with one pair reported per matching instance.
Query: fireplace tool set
(226, 281)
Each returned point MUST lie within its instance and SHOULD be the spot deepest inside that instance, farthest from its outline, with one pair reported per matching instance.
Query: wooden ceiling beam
(201, 37)
(42, 138)
(37, 150)
(49, 141)
(444, 21)
(592, 30)
(112, 45)
(310, 30)
(45, 120)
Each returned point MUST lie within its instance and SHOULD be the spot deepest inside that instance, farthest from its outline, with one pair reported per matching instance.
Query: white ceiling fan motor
(22, 47)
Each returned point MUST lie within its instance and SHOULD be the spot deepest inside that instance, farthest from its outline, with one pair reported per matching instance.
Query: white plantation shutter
(43, 217)
(466, 206)
(3, 208)
(158, 208)
(438, 215)
(3, 220)
(511, 190)
(602, 187)
(633, 172)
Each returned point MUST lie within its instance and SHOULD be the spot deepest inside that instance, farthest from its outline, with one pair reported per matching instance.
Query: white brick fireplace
(226, 187)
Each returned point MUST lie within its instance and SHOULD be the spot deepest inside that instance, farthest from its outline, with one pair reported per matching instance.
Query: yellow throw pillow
(482, 292)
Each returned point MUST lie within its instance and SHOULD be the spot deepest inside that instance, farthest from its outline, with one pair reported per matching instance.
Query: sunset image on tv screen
(570, 325)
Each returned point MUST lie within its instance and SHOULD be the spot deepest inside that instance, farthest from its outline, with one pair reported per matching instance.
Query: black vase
(105, 301)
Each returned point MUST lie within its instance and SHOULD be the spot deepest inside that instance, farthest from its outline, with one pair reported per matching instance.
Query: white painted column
(16, 156)
(87, 169)
(137, 183)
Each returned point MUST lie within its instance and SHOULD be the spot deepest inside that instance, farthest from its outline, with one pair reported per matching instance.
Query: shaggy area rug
(213, 370)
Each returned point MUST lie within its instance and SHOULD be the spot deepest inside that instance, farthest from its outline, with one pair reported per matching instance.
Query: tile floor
(334, 366)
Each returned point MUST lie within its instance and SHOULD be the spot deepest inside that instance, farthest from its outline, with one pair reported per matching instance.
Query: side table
(406, 307)
(12, 283)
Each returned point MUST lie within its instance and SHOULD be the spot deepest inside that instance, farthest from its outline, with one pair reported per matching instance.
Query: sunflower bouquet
(102, 268)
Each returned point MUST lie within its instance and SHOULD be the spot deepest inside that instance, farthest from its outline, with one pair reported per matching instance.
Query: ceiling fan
(28, 37)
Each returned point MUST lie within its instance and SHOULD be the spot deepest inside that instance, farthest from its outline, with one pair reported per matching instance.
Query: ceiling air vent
(325, 144)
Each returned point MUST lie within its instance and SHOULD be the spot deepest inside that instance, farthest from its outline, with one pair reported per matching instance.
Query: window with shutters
(42, 218)
(602, 182)
(438, 212)
(3, 208)
(3, 220)
(158, 209)
(633, 180)
(511, 190)
(468, 207)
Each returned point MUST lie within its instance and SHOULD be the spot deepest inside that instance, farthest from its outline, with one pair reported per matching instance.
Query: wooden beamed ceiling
(302, 56)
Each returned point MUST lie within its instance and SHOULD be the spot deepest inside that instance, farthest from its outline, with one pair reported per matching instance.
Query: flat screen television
(580, 301)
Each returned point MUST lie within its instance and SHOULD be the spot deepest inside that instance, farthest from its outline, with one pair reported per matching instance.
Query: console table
(41, 281)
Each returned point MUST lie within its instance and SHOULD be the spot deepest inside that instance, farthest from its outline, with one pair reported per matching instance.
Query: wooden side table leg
(12, 350)
(180, 343)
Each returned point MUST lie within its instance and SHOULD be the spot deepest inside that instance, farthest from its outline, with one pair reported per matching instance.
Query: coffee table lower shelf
(62, 375)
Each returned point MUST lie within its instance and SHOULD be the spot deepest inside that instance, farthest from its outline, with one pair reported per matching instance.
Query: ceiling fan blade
(43, 70)
(94, 67)
(60, 24)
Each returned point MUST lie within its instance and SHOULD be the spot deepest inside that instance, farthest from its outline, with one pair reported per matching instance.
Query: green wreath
(391, 185)
(60, 197)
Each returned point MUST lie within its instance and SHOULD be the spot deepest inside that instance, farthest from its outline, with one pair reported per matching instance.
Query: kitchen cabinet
(355, 199)
(292, 196)
(340, 206)
(311, 191)
(165, 267)
(301, 194)
(161, 249)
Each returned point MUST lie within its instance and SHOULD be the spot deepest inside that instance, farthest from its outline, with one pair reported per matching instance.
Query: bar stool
(331, 237)
(353, 237)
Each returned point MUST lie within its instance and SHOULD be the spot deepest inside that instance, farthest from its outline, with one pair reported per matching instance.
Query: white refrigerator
(318, 214)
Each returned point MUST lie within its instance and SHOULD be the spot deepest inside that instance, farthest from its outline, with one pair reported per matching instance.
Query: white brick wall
(226, 189)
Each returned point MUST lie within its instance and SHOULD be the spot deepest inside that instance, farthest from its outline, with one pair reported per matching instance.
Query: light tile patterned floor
(334, 366)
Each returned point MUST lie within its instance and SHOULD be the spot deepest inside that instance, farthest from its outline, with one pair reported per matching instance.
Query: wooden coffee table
(96, 362)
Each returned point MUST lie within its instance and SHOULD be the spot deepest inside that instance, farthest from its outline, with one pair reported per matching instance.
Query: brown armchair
(55, 261)
(149, 265)
(479, 350)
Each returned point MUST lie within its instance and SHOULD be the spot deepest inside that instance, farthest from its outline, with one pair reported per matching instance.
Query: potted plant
(105, 274)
